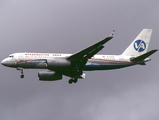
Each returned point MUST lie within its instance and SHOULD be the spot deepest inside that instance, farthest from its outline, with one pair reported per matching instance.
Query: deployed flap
(90, 51)
(144, 56)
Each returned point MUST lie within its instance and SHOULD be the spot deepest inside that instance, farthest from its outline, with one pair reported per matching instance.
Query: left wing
(90, 51)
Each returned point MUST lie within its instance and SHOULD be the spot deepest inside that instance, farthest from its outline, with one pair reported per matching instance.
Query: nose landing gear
(22, 76)
(21, 70)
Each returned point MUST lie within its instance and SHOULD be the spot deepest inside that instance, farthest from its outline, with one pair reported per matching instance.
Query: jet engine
(58, 64)
(49, 76)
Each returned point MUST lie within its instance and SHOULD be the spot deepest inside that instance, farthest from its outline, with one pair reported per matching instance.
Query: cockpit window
(11, 56)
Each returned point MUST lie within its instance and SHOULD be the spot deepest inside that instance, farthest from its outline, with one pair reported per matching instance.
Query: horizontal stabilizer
(144, 56)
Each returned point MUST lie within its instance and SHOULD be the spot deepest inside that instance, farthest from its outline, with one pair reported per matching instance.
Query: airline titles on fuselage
(38, 54)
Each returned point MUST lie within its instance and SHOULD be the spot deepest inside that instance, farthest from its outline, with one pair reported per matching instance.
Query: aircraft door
(20, 57)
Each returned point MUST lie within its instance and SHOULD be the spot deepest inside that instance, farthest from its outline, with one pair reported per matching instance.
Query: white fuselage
(73, 65)
(38, 61)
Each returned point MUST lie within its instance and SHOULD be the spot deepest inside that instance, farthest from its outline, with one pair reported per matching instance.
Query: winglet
(112, 34)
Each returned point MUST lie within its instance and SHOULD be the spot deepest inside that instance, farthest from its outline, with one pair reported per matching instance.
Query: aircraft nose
(4, 62)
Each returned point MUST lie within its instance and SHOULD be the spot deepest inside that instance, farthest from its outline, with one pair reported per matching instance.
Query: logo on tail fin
(139, 45)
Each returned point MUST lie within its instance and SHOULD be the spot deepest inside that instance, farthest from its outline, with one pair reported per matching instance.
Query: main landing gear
(73, 80)
(21, 70)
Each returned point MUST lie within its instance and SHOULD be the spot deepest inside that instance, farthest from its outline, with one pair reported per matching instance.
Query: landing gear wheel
(75, 80)
(70, 81)
(22, 76)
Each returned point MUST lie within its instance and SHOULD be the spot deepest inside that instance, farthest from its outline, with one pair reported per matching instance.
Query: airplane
(73, 65)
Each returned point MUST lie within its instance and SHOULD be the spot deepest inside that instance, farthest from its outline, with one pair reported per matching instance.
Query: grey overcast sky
(67, 26)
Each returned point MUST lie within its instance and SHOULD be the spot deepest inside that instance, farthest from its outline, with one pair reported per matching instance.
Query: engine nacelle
(49, 76)
(58, 64)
